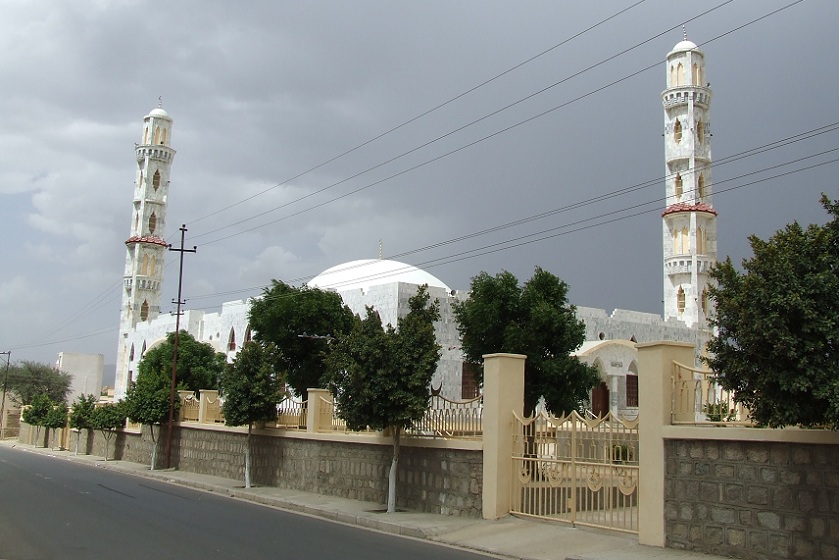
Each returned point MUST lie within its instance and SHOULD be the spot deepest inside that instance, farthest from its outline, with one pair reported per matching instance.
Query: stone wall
(752, 499)
(435, 480)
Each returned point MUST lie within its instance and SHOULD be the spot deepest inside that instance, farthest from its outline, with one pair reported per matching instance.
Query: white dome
(159, 112)
(372, 272)
(685, 46)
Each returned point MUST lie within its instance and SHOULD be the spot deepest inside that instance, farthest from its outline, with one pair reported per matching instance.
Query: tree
(296, 324)
(80, 415)
(27, 379)
(381, 378)
(199, 365)
(251, 392)
(36, 413)
(56, 419)
(147, 402)
(534, 320)
(778, 325)
(107, 418)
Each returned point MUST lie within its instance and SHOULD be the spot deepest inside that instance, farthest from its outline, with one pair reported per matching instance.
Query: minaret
(145, 247)
(690, 221)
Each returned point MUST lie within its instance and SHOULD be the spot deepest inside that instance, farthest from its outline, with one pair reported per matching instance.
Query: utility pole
(180, 302)
(8, 354)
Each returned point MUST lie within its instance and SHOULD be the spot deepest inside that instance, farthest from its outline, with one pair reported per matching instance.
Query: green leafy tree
(199, 365)
(36, 413)
(296, 325)
(80, 415)
(107, 418)
(777, 328)
(27, 379)
(535, 320)
(147, 402)
(251, 392)
(381, 378)
(56, 419)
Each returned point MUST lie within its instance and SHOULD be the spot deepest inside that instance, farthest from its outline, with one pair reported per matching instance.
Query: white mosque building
(689, 249)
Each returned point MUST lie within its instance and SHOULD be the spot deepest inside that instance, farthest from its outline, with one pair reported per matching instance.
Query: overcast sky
(265, 94)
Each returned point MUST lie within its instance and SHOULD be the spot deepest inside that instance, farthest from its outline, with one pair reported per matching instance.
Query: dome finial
(685, 32)
(380, 250)
(160, 102)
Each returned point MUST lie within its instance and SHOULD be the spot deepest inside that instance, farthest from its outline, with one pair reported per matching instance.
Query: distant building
(86, 371)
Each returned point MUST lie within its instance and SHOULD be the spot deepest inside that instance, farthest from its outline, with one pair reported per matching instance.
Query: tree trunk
(391, 479)
(248, 457)
(107, 443)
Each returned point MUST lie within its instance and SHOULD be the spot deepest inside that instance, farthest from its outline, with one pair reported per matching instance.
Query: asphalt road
(52, 508)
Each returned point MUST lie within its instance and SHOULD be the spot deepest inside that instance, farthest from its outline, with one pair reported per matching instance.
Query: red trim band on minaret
(688, 207)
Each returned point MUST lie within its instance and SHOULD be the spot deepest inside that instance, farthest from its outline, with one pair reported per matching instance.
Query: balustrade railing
(699, 398)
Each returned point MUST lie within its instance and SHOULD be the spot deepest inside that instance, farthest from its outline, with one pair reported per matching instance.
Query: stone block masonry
(442, 480)
(753, 499)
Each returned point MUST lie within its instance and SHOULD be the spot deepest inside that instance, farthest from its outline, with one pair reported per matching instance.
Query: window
(672, 76)
(700, 132)
(705, 301)
(152, 265)
(146, 135)
(131, 353)
(677, 131)
(695, 74)
(155, 182)
(679, 186)
(680, 74)
(631, 389)
(680, 300)
(700, 241)
(231, 340)
(144, 267)
(157, 135)
(144, 312)
(469, 388)
(152, 223)
(248, 335)
(701, 186)
(163, 140)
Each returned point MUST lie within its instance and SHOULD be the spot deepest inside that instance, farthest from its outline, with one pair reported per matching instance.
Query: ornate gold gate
(577, 470)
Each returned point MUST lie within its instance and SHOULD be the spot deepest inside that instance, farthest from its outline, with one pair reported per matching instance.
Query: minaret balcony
(143, 283)
(161, 153)
(682, 94)
(683, 264)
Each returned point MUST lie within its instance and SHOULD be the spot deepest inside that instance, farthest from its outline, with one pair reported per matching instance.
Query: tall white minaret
(690, 221)
(145, 247)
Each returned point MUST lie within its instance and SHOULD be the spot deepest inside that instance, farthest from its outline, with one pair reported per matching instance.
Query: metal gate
(577, 470)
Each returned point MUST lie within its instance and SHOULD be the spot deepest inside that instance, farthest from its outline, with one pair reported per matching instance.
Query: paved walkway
(510, 537)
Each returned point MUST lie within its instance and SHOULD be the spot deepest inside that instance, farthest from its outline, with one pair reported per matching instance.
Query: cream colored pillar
(315, 419)
(503, 394)
(206, 397)
(655, 364)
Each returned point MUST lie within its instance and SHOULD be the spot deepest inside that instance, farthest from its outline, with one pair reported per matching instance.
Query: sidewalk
(508, 537)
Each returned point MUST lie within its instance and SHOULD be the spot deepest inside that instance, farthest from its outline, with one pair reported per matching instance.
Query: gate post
(655, 366)
(503, 394)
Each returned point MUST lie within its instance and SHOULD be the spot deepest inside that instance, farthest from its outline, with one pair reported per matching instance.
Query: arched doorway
(600, 400)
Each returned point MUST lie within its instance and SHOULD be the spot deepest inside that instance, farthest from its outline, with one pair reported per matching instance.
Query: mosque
(689, 250)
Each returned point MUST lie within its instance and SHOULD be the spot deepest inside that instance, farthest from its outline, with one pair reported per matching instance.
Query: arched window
(137, 221)
(163, 140)
(144, 310)
(144, 267)
(700, 132)
(152, 223)
(695, 74)
(705, 301)
(248, 335)
(155, 182)
(680, 300)
(679, 185)
(632, 385)
(142, 178)
(672, 76)
(677, 131)
(685, 248)
(146, 135)
(701, 186)
(157, 135)
(143, 351)
(131, 353)
(231, 340)
(152, 265)
(700, 241)
(680, 74)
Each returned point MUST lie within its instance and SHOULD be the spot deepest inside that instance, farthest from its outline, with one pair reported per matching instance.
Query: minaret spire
(689, 218)
(145, 246)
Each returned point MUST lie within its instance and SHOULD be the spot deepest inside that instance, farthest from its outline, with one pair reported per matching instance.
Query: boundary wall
(751, 493)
